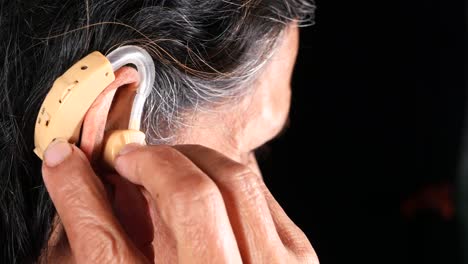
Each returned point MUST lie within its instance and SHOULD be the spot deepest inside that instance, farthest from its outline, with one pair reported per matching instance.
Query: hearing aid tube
(144, 64)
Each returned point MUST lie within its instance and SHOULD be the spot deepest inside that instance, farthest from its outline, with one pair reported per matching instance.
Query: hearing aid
(63, 110)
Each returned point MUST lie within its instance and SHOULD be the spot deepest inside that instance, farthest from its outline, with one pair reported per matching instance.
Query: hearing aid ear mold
(72, 94)
(116, 140)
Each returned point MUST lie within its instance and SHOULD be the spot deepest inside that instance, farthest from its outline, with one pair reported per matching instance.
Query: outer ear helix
(62, 112)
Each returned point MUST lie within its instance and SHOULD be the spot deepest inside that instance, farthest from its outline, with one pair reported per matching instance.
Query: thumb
(94, 234)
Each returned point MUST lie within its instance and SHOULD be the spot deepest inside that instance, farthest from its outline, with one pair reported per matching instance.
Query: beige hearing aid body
(72, 94)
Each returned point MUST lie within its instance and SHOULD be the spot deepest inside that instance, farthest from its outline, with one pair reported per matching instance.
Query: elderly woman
(194, 194)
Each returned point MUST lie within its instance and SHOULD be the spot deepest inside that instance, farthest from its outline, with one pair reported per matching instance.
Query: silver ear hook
(145, 66)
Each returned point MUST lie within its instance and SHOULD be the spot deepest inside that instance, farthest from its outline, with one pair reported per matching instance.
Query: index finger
(188, 202)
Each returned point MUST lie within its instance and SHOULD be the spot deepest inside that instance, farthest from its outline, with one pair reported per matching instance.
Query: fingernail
(57, 152)
(129, 148)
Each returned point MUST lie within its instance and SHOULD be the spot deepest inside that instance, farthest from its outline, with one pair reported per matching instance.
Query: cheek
(269, 107)
(268, 113)
(275, 115)
(275, 90)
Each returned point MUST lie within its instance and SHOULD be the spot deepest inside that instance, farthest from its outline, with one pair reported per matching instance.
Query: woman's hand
(198, 207)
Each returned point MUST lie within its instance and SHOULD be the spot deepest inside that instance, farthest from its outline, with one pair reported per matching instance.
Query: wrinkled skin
(201, 201)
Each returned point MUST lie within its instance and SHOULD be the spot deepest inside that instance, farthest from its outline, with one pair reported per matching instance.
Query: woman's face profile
(237, 129)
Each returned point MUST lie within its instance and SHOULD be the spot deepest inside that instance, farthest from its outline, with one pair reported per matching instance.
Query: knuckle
(298, 245)
(70, 192)
(193, 188)
(164, 151)
(77, 192)
(241, 172)
(103, 245)
(305, 253)
(192, 197)
(233, 171)
(243, 180)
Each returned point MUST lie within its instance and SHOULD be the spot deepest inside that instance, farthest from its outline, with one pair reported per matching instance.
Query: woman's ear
(111, 110)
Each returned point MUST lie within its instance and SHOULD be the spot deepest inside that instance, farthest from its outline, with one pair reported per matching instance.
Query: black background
(377, 115)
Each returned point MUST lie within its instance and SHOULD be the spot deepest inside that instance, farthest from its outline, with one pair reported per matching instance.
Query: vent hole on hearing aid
(84, 67)
(47, 123)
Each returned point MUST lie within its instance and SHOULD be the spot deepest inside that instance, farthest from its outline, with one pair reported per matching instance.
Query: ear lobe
(95, 120)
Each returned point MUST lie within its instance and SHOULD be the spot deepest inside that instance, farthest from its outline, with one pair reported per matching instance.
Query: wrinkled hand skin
(181, 204)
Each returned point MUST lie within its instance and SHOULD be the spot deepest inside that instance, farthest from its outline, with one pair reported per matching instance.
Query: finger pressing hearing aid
(57, 152)
(81, 202)
(189, 202)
